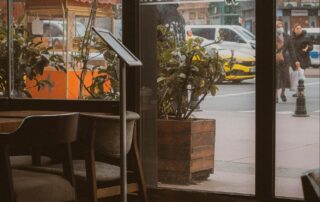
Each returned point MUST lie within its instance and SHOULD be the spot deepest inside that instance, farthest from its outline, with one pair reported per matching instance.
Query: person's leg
(283, 88)
(282, 82)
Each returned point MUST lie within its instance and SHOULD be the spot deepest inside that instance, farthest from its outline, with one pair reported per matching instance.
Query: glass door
(297, 94)
(185, 45)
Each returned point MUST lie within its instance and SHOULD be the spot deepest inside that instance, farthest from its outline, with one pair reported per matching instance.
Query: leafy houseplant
(185, 145)
(185, 69)
(29, 60)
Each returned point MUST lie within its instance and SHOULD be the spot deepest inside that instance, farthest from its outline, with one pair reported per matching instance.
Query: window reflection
(75, 64)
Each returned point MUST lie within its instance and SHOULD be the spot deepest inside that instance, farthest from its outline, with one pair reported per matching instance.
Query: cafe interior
(72, 130)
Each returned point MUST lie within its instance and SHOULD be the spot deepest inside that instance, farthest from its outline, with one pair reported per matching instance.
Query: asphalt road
(241, 98)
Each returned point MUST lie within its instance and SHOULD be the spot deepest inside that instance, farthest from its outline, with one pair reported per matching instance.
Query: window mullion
(265, 101)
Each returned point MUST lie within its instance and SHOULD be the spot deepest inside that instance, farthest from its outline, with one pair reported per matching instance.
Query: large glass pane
(297, 111)
(199, 59)
(3, 50)
(56, 55)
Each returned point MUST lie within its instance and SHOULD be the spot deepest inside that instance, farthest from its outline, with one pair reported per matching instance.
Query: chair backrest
(38, 131)
(311, 186)
(106, 129)
(45, 130)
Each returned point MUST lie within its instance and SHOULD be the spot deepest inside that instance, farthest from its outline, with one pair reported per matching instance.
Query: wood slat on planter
(185, 150)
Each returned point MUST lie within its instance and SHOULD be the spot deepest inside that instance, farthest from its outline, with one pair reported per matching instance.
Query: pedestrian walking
(283, 60)
(300, 56)
(302, 46)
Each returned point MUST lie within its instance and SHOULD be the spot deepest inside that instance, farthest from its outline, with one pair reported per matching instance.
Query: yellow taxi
(239, 66)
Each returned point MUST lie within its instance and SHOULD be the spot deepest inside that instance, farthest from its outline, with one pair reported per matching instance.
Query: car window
(52, 30)
(230, 35)
(246, 33)
(208, 33)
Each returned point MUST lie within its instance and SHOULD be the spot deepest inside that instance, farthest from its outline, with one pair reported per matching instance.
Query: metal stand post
(127, 58)
(123, 133)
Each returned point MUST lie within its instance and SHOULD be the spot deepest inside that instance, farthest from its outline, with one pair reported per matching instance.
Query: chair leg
(91, 167)
(141, 182)
(139, 170)
(6, 184)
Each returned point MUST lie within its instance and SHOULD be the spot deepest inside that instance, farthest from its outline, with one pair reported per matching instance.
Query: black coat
(282, 68)
(298, 43)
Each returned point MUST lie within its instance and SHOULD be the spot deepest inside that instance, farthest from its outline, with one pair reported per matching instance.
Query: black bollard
(301, 110)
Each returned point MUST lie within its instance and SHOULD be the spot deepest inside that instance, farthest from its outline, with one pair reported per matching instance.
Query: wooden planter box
(185, 150)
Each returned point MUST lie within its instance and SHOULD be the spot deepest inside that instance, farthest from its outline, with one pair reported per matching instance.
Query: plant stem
(195, 107)
(86, 46)
(82, 82)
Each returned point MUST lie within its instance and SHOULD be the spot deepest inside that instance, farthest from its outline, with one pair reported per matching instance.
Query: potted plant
(185, 144)
(30, 59)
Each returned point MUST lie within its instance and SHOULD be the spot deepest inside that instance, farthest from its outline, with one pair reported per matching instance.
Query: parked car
(290, 4)
(230, 37)
(314, 36)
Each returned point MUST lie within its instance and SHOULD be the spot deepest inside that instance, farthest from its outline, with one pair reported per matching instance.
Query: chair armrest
(311, 185)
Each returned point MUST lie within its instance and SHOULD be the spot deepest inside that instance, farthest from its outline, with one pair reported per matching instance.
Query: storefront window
(57, 56)
(223, 43)
(297, 111)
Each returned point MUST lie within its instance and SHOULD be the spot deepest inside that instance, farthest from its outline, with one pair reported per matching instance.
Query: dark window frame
(265, 100)
(265, 121)
(10, 103)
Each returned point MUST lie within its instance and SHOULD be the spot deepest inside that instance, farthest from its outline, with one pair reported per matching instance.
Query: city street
(297, 139)
(241, 98)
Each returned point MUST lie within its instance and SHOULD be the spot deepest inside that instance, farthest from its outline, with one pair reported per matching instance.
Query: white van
(231, 37)
(314, 36)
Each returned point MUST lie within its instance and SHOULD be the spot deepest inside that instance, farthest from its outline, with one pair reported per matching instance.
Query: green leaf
(95, 67)
(27, 93)
(195, 69)
(159, 79)
(182, 75)
(213, 90)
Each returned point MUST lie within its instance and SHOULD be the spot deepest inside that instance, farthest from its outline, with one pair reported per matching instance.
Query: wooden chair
(311, 186)
(99, 136)
(39, 131)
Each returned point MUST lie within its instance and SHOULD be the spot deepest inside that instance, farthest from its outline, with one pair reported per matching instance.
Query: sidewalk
(312, 72)
(297, 150)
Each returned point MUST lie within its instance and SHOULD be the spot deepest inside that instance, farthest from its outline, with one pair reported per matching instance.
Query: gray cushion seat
(41, 187)
(20, 161)
(104, 172)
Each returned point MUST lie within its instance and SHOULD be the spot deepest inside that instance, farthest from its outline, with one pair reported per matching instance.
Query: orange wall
(60, 80)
